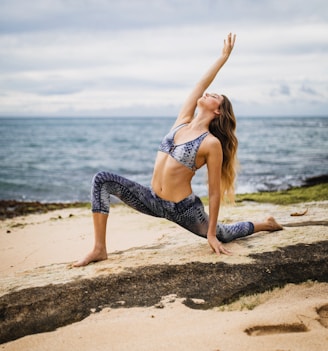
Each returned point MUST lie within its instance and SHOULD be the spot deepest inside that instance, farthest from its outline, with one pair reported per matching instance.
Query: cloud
(106, 57)
(282, 90)
(307, 89)
(36, 15)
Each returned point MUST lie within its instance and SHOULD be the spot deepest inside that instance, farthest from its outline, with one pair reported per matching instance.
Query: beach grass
(317, 192)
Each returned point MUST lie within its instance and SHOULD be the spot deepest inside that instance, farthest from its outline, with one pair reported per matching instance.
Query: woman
(208, 139)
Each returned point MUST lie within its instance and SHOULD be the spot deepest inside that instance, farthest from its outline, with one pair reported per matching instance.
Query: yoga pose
(194, 141)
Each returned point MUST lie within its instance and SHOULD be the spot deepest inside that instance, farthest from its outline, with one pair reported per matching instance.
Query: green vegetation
(317, 192)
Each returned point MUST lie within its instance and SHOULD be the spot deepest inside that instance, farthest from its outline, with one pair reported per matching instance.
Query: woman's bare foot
(269, 225)
(94, 256)
(273, 225)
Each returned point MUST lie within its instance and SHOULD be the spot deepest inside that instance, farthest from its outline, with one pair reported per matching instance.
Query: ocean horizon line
(154, 117)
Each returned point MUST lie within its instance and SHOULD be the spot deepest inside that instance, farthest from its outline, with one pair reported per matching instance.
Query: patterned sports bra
(183, 153)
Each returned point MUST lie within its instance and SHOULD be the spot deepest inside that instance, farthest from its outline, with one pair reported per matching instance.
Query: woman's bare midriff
(171, 180)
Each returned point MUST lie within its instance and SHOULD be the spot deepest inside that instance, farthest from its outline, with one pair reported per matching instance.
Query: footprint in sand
(276, 329)
(260, 330)
(323, 315)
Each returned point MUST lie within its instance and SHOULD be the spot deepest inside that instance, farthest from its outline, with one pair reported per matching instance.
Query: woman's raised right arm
(187, 111)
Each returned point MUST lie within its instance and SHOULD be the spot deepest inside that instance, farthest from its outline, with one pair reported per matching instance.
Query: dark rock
(13, 208)
(321, 179)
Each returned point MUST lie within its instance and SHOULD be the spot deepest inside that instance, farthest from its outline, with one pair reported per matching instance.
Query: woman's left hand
(217, 246)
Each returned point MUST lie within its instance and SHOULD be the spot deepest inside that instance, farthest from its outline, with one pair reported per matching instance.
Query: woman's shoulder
(212, 144)
(213, 140)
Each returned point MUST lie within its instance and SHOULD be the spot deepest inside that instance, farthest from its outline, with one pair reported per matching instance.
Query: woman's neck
(201, 121)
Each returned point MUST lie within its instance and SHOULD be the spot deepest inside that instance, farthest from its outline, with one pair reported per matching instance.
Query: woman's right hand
(228, 45)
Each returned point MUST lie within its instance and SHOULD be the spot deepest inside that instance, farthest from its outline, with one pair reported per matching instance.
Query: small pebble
(159, 305)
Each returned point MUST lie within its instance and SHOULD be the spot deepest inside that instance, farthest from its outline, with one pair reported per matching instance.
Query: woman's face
(212, 101)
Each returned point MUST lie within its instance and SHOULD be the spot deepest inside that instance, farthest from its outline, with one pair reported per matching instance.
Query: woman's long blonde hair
(223, 126)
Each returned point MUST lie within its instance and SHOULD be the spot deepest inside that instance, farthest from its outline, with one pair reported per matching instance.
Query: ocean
(54, 159)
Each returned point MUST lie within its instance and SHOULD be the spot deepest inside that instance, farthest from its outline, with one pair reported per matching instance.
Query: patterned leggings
(189, 213)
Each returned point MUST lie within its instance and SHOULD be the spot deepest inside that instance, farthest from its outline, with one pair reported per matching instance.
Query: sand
(37, 250)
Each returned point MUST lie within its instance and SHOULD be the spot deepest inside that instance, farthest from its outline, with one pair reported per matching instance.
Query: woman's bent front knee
(100, 194)
(100, 178)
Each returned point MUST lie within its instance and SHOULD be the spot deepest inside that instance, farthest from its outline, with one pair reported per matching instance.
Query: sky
(89, 58)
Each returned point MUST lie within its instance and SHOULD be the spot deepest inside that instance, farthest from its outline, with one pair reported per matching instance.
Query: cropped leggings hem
(189, 213)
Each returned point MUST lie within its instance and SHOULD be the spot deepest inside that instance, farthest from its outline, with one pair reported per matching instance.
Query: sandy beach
(38, 250)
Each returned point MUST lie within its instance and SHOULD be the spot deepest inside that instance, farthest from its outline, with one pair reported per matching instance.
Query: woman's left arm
(214, 164)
